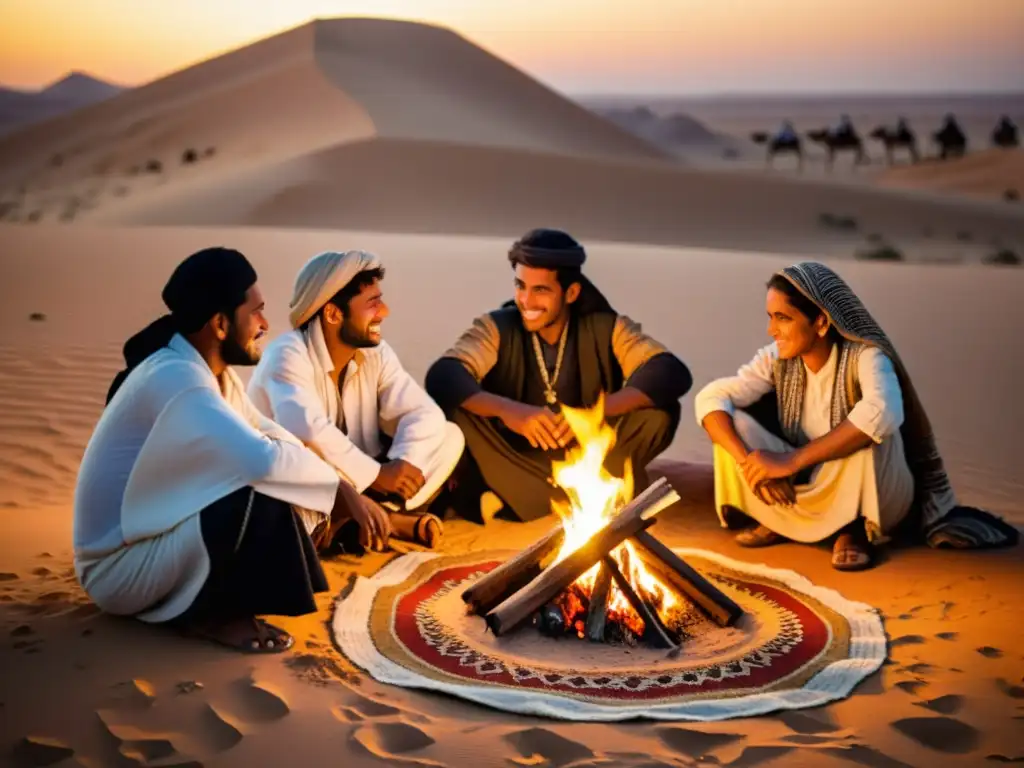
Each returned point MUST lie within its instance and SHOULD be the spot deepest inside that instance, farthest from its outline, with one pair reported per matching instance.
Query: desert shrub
(189, 156)
(37, 317)
(154, 166)
(880, 252)
(844, 223)
(1011, 195)
(1004, 256)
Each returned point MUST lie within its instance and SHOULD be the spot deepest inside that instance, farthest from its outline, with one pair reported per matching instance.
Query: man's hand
(374, 524)
(544, 429)
(762, 466)
(399, 477)
(776, 492)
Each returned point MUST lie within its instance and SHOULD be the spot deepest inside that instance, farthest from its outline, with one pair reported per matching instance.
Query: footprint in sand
(694, 743)
(387, 739)
(555, 749)
(133, 695)
(989, 652)
(248, 701)
(39, 751)
(820, 722)
(944, 705)
(911, 686)
(8, 576)
(1011, 690)
(920, 668)
(22, 630)
(752, 756)
(948, 635)
(1005, 759)
(943, 734)
(906, 640)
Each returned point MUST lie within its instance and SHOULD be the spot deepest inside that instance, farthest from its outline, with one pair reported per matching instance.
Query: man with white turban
(337, 386)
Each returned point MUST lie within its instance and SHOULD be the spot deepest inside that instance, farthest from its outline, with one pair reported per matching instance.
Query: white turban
(323, 276)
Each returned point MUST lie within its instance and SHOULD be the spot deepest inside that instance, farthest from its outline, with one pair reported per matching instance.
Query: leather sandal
(850, 553)
(758, 537)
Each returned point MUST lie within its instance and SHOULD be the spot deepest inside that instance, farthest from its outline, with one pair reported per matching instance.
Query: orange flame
(595, 496)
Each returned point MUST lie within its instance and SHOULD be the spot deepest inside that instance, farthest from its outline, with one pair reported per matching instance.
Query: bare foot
(250, 635)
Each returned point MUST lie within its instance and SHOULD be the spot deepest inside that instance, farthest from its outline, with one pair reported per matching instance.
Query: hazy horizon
(581, 47)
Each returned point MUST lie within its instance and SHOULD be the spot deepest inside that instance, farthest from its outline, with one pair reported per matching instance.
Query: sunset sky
(577, 46)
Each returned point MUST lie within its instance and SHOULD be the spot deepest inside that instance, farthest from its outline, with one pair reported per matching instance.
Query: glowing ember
(595, 496)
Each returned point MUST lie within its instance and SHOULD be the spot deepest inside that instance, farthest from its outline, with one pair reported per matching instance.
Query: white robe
(292, 385)
(173, 440)
(874, 483)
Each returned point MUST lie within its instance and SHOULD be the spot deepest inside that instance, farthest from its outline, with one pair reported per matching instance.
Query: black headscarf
(555, 249)
(207, 282)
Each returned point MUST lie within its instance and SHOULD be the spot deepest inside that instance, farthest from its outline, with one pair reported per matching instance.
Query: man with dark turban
(191, 507)
(559, 342)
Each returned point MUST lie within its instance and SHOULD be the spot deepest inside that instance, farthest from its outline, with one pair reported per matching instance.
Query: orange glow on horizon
(791, 44)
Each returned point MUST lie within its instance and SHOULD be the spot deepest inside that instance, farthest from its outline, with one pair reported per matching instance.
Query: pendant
(551, 397)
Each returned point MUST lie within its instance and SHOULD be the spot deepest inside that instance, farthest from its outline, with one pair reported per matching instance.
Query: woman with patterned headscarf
(844, 445)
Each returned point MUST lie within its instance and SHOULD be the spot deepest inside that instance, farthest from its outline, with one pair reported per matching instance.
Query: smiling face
(245, 332)
(794, 333)
(359, 323)
(541, 300)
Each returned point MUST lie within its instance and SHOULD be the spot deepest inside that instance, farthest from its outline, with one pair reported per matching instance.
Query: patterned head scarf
(945, 522)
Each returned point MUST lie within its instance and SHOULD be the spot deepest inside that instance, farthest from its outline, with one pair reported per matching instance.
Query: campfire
(600, 575)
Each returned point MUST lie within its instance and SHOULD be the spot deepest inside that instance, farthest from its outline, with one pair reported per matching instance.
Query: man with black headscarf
(558, 342)
(191, 507)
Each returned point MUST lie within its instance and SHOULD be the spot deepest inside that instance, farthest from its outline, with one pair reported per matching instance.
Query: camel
(951, 139)
(1005, 135)
(894, 139)
(836, 143)
(778, 146)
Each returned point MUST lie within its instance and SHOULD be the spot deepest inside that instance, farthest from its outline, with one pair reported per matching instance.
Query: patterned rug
(799, 645)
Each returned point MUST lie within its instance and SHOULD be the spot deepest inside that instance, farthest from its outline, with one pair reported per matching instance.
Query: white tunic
(292, 385)
(875, 483)
(173, 440)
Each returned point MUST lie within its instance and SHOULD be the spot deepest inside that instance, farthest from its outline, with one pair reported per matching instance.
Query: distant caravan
(842, 141)
(780, 145)
(894, 139)
(1006, 134)
(951, 139)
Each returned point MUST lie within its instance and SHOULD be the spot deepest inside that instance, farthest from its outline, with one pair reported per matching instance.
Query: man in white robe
(191, 507)
(334, 383)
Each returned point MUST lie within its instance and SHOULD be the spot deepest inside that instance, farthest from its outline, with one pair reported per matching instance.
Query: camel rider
(787, 133)
(844, 127)
(902, 127)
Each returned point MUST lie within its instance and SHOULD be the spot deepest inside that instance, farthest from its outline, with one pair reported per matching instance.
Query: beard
(234, 353)
(354, 337)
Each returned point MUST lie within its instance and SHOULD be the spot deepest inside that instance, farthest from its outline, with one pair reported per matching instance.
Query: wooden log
(514, 574)
(655, 631)
(633, 517)
(597, 612)
(672, 569)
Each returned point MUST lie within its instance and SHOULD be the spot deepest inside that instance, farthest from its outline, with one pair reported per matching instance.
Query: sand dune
(404, 186)
(990, 174)
(322, 84)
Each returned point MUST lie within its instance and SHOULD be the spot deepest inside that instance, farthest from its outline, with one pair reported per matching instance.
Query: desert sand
(684, 250)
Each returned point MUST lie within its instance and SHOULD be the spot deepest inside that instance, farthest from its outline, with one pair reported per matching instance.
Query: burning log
(494, 587)
(597, 613)
(631, 519)
(673, 570)
(654, 630)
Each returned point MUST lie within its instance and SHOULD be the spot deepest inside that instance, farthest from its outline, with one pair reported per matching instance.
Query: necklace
(549, 381)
